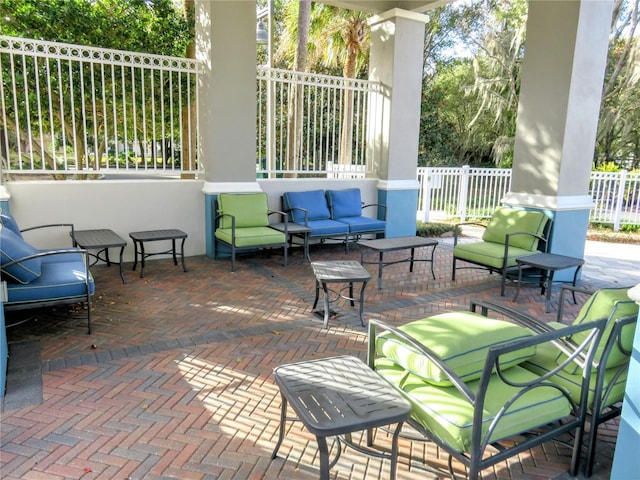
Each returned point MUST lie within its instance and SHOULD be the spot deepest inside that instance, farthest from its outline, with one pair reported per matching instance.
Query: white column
(561, 87)
(396, 61)
(226, 43)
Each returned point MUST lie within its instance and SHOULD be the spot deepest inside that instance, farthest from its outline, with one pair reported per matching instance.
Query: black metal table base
(139, 239)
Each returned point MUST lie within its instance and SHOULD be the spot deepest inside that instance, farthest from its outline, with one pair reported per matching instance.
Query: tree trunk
(294, 115)
(188, 126)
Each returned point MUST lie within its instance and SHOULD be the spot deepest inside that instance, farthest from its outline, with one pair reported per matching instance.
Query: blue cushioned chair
(41, 278)
(346, 206)
(310, 209)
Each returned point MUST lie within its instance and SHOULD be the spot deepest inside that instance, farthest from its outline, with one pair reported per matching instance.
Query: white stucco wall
(133, 205)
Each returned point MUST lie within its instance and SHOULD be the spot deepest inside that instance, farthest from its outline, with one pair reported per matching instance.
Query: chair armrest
(534, 324)
(380, 206)
(71, 227)
(48, 253)
(284, 216)
(375, 326)
(303, 210)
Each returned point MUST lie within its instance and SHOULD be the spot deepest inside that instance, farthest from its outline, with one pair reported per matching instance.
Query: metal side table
(336, 397)
(101, 240)
(340, 271)
(548, 264)
(139, 239)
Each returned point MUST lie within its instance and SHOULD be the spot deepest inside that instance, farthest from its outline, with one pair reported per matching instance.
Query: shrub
(433, 229)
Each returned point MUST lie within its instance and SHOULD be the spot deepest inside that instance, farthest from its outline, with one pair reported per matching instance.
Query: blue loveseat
(335, 214)
(40, 278)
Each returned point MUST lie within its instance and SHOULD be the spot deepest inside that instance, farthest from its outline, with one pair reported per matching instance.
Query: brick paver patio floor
(176, 380)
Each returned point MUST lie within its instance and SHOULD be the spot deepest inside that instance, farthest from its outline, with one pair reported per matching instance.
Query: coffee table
(338, 396)
(139, 239)
(384, 245)
(101, 240)
(548, 264)
(340, 271)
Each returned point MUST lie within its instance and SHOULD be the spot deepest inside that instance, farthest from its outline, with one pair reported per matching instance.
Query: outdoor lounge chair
(511, 233)
(242, 224)
(41, 278)
(610, 363)
(463, 374)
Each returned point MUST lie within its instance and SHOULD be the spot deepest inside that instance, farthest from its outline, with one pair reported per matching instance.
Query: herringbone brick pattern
(176, 380)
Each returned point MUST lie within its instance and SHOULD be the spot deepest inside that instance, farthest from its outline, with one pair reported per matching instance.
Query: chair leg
(453, 270)
(233, 257)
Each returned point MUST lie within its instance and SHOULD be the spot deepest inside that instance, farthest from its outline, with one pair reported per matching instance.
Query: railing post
(463, 192)
(426, 194)
(622, 181)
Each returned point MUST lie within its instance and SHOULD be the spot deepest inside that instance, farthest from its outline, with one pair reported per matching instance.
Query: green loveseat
(511, 233)
(463, 374)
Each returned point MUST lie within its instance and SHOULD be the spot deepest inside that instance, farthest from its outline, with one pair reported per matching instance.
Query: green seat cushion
(251, 236)
(488, 254)
(509, 220)
(545, 361)
(460, 339)
(449, 416)
(249, 209)
(611, 303)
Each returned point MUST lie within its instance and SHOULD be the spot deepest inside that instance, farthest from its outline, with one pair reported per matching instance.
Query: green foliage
(433, 229)
(153, 26)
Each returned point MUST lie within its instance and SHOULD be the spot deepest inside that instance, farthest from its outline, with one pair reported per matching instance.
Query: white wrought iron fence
(74, 109)
(464, 192)
(314, 125)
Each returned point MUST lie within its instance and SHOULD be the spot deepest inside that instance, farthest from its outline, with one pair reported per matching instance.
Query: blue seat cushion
(13, 247)
(313, 202)
(363, 224)
(344, 203)
(58, 280)
(324, 228)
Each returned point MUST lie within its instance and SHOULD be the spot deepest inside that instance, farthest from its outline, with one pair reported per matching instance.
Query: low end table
(548, 264)
(295, 229)
(336, 397)
(101, 240)
(139, 239)
(340, 271)
(383, 245)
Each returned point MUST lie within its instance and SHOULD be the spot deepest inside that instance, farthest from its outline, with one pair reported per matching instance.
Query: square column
(396, 61)
(561, 88)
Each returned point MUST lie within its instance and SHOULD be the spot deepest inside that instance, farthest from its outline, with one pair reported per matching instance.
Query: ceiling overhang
(380, 6)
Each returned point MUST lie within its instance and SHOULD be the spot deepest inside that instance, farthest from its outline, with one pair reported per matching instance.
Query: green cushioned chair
(464, 375)
(610, 362)
(242, 224)
(511, 233)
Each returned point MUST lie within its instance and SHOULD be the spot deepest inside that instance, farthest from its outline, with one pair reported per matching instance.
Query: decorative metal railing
(70, 109)
(315, 125)
(464, 192)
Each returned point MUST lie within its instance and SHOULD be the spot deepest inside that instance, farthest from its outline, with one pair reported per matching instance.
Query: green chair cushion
(508, 220)
(545, 361)
(249, 209)
(611, 303)
(448, 415)
(488, 254)
(460, 339)
(251, 236)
